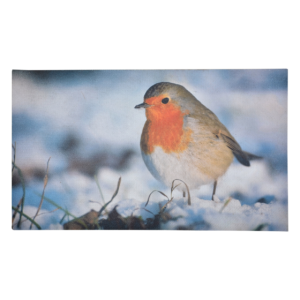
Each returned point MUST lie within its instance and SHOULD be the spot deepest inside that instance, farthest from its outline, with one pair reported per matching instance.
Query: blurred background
(86, 122)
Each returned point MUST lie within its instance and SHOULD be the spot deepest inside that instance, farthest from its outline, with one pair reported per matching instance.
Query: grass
(104, 218)
(90, 219)
(83, 221)
(42, 198)
(225, 204)
(27, 217)
(171, 196)
(22, 200)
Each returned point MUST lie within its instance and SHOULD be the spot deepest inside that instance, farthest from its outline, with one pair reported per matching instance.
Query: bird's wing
(236, 149)
(207, 119)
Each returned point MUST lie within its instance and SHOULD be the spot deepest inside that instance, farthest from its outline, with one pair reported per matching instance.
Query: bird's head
(164, 100)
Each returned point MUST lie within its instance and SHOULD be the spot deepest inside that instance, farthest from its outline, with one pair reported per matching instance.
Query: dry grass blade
(27, 217)
(99, 188)
(152, 193)
(49, 212)
(225, 204)
(58, 206)
(13, 167)
(173, 188)
(62, 219)
(23, 187)
(67, 213)
(15, 212)
(112, 198)
(134, 211)
(42, 198)
(164, 207)
(143, 209)
(163, 194)
(261, 227)
(187, 188)
(44, 213)
(148, 211)
(82, 221)
(90, 219)
(100, 191)
(91, 201)
(15, 150)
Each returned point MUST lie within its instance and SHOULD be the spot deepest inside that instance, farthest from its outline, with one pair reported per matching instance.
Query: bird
(183, 139)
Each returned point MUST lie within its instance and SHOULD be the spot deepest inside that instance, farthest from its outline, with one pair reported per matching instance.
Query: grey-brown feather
(236, 150)
(210, 125)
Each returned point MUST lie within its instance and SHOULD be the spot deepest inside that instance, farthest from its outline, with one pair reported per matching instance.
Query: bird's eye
(165, 100)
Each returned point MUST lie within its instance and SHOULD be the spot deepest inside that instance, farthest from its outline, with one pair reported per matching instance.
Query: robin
(182, 139)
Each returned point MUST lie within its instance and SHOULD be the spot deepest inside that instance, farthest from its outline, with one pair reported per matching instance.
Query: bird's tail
(252, 156)
(244, 157)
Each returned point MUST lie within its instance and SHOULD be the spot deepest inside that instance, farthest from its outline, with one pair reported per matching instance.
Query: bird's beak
(142, 105)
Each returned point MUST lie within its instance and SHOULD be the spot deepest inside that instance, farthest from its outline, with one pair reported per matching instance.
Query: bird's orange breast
(165, 128)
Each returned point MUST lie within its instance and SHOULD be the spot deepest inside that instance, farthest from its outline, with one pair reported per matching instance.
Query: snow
(98, 110)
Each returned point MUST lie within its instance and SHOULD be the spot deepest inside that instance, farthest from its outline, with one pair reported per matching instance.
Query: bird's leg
(214, 190)
(183, 194)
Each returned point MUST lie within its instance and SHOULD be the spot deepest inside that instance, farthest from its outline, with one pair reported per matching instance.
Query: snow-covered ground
(86, 123)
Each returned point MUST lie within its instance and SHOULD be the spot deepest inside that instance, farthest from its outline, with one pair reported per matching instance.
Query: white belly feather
(166, 167)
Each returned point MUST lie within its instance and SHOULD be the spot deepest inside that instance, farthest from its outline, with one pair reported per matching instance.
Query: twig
(42, 198)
